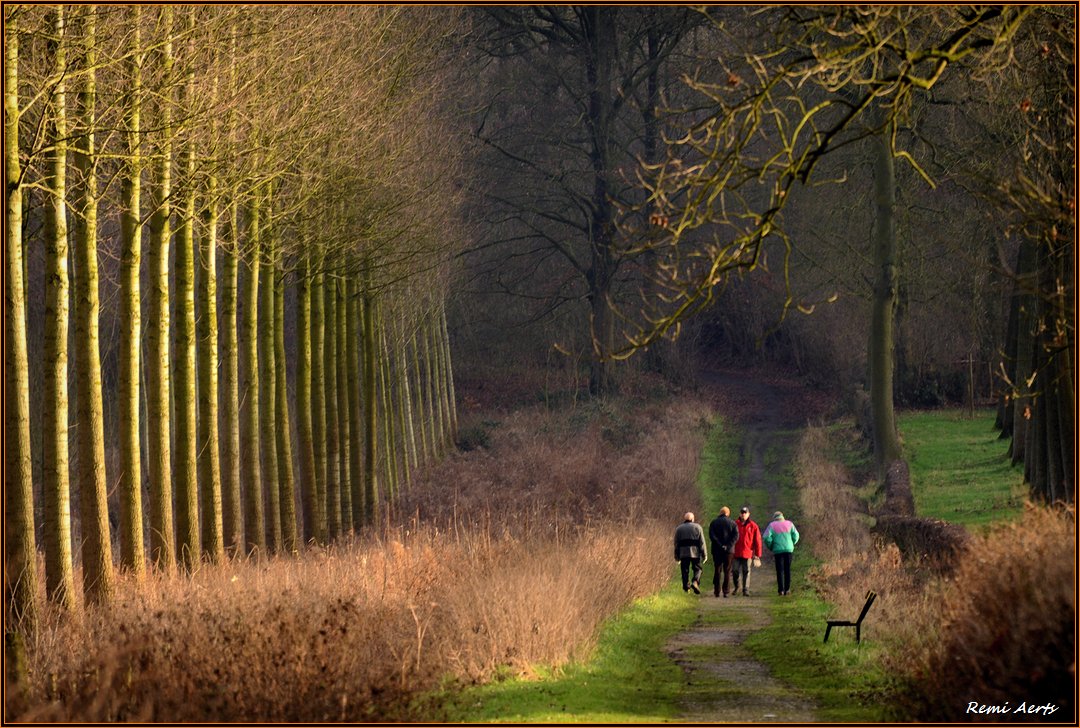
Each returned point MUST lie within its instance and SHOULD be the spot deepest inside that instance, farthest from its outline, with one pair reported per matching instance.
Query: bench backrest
(870, 597)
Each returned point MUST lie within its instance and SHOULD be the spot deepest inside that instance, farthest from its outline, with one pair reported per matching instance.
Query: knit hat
(778, 516)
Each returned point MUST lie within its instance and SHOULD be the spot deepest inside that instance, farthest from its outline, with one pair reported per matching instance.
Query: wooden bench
(857, 624)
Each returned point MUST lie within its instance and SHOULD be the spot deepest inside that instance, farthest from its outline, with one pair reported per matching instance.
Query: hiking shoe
(695, 588)
(745, 593)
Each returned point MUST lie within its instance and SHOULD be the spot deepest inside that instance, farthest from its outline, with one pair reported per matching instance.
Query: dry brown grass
(998, 628)
(498, 559)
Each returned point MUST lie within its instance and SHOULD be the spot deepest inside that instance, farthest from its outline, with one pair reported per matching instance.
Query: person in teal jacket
(780, 537)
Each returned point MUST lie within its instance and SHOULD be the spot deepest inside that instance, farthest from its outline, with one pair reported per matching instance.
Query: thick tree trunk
(20, 573)
(157, 363)
(97, 562)
(1025, 347)
(56, 483)
(132, 546)
(886, 442)
(213, 542)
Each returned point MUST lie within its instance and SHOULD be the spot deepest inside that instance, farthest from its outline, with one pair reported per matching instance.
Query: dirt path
(724, 683)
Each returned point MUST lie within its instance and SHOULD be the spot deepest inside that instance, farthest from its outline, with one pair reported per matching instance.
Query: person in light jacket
(747, 548)
(690, 552)
(780, 537)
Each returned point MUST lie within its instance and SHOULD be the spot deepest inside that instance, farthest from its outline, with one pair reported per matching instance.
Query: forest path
(724, 683)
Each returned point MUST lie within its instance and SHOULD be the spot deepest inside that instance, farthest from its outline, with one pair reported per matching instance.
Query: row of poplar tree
(184, 176)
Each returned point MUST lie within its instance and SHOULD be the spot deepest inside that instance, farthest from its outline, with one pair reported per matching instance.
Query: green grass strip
(960, 470)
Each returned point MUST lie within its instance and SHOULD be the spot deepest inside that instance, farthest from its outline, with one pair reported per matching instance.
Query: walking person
(690, 552)
(747, 550)
(780, 537)
(723, 533)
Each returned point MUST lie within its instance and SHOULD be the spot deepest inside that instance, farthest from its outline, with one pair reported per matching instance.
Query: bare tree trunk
(304, 404)
(250, 461)
(20, 573)
(185, 466)
(318, 400)
(89, 426)
(451, 393)
(158, 366)
(333, 462)
(353, 328)
(287, 504)
(56, 482)
(344, 441)
(213, 542)
(268, 388)
(390, 445)
(886, 442)
(371, 418)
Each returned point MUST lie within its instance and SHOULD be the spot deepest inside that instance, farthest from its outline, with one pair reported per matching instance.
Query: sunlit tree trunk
(886, 442)
(390, 446)
(318, 399)
(185, 466)
(304, 404)
(431, 366)
(408, 432)
(157, 363)
(97, 562)
(132, 547)
(422, 394)
(448, 368)
(333, 463)
(232, 515)
(20, 574)
(56, 483)
(250, 462)
(268, 423)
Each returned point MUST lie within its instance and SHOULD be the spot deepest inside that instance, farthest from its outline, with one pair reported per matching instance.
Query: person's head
(744, 513)
(778, 516)
(688, 517)
(725, 511)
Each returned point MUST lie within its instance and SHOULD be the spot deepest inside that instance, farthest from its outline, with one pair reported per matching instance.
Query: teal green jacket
(780, 537)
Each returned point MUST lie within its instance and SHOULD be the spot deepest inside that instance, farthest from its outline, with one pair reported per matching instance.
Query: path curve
(724, 683)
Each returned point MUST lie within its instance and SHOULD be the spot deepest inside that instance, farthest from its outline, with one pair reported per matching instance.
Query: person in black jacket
(723, 533)
(690, 552)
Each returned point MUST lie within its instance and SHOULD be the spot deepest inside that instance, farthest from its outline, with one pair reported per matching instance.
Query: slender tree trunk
(451, 393)
(268, 423)
(304, 404)
(89, 426)
(390, 444)
(213, 542)
(158, 367)
(232, 515)
(333, 462)
(421, 393)
(886, 442)
(185, 434)
(440, 420)
(250, 462)
(287, 503)
(56, 484)
(20, 573)
(354, 367)
(408, 432)
(345, 474)
(318, 400)
(371, 420)
(209, 440)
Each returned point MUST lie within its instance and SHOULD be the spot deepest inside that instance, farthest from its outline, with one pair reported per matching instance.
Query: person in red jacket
(747, 548)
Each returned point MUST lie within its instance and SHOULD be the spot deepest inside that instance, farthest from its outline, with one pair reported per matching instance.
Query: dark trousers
(722, 562)
(687, 563)
(783, 572)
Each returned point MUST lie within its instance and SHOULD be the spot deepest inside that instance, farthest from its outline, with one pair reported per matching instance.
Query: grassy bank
(960, 470)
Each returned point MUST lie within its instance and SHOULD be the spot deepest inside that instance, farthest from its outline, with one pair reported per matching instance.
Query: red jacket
(749, 543)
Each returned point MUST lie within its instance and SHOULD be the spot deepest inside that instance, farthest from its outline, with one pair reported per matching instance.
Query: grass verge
(960, 470)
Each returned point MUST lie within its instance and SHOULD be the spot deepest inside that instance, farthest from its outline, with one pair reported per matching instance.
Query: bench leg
(858, 633)
(828, 628)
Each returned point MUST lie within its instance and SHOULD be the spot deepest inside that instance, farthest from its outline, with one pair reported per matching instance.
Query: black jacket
(723, 533)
